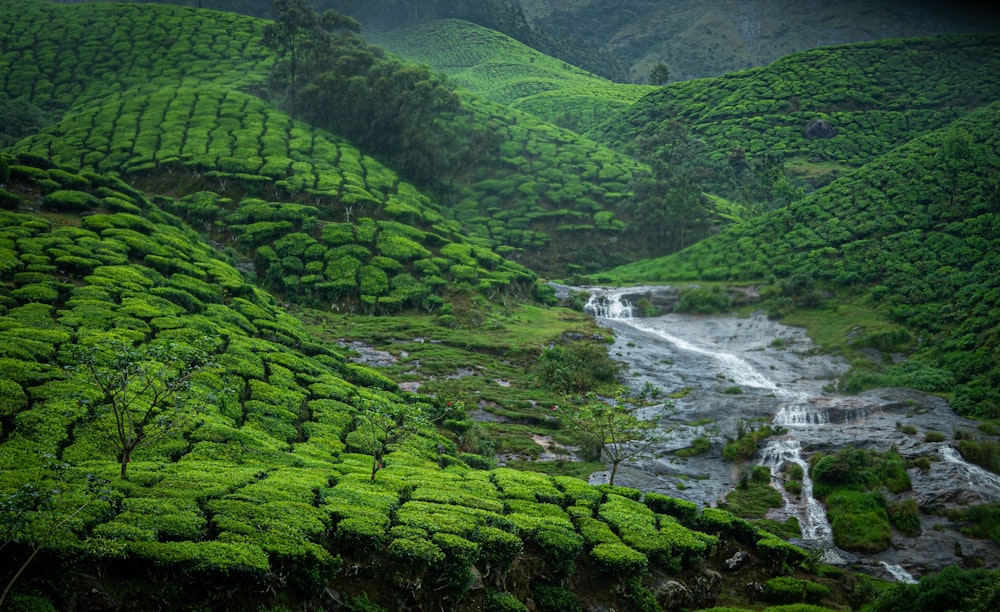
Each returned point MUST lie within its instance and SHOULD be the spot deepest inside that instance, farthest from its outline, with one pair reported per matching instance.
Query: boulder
(819, 128)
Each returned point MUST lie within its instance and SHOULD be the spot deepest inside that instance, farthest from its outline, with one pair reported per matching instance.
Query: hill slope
(503, 70)
(278, 473)
(914, 231)
(698, 39)
(138, 112)
(824, 111)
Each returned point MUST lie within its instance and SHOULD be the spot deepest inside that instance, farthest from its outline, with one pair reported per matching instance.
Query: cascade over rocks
(728, 371)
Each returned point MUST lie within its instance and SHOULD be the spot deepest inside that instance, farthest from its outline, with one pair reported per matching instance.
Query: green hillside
(276, 472)
(826, 111)
(194, 285)
(504, 70)
(912, 235)
(698, 38)
(538, 193)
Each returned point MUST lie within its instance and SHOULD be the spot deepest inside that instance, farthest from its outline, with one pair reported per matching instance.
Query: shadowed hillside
(504, 70)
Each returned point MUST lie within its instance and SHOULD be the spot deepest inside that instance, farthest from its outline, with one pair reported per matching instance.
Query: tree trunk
(614, 470)
(126, 457)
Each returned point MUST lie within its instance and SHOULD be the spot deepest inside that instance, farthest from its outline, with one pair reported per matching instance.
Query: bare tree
(144, 388)
(384, 425)
(615, 428)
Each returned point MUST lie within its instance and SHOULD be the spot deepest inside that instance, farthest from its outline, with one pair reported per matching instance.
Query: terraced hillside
(825, 111)
(912, 234)
(503, 70)
(275, 472)
(188, 124)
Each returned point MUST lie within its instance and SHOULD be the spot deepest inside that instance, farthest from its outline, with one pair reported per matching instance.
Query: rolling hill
(165, 216)
(913, 233)
(501, 69)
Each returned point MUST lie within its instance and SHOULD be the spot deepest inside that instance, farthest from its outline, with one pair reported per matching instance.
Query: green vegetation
(263, 462)
(905, 273)
(851, 482)
(613, 429)
(499, 68)
(280, 188)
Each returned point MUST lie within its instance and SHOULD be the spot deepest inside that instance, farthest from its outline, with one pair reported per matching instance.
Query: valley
(289, 321)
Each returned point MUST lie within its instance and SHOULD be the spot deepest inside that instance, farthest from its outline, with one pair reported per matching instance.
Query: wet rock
(736, 561)
(782, 377)
(819, 128)
(706, 589)
(672, 595)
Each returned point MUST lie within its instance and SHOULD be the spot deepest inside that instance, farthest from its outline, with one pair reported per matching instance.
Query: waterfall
(795, 414)
(612, 304)
(811, 513)
(900, 574)
(982, 481)
(608, 306)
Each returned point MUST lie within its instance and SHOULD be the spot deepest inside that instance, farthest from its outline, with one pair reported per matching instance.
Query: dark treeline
(402, 114)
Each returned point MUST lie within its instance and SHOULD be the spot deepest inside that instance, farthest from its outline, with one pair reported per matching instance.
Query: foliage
(383, 426)
(785, 589)
(950, 589)
(577, 367)
(918, 262)
(744, 446)
(614, 428)
(145, 388)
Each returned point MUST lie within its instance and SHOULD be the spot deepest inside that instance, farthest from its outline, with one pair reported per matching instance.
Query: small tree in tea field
(145, 388)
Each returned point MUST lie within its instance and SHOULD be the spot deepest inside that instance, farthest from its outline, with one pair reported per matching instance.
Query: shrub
(363, 534)
(68, 200)
(785, 589)
(553, 598)
(501, 601)
(497, 547)
(780, 556)
(459, 554)
(417, 554)
(905, 516)
(560, 548)
(576, 367)
(859, 521)
(619, 560)
(8, 200)
(683, 510)
(596, 532)
(704, 300)
(204, 556)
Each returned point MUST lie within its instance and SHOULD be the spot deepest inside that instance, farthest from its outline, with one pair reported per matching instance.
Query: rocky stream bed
(731, 370)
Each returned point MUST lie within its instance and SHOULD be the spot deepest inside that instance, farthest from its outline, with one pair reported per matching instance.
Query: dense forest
(277, 334)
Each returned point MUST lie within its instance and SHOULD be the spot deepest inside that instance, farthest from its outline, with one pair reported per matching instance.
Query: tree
(615, 428)
(296, 26)
(659, 75)
(145, 389)
(668, 206)
(383, 426)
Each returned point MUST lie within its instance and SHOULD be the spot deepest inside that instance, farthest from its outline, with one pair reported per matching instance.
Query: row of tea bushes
(875, 96)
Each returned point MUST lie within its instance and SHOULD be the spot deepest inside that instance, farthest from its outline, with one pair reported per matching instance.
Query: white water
(982, 481)
(900, 574)
(794, 413)
(811, 514)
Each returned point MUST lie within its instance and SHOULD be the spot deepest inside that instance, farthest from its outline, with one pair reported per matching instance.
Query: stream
(726, 372)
